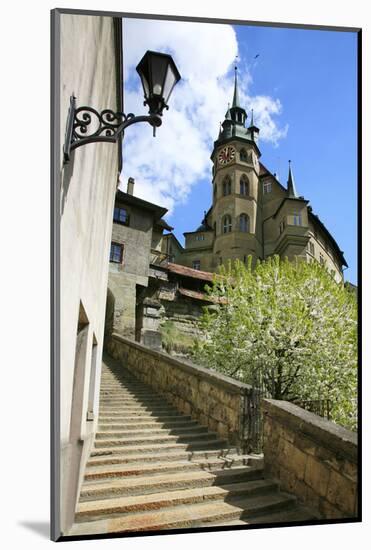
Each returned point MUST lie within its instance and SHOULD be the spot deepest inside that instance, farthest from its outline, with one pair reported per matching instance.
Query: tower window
(267, 187)
(120, 215)
(196, 264)
(243, 155)
(244, 185)
(244, 223)
(117, 252)
(227, 224)
(311, 248)
(296, 218)
(200, 237)
(322, 260)
(227, 186)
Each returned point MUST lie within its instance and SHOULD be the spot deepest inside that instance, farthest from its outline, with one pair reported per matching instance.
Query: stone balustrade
(224, 405)
(312, 458)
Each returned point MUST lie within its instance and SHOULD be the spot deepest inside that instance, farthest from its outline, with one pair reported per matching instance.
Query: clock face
(226, 155)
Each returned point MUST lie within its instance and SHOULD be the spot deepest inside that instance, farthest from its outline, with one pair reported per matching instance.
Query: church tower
(234, 211)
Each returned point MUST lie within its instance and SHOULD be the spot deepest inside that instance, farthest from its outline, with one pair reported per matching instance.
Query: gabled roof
(173, 237)
(126, 198)
(162, 223)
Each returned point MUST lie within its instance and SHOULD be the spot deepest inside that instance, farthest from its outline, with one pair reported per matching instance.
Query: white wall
(88, 185)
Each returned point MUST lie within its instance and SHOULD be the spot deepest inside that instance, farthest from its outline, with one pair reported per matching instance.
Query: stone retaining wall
(214, 400)
(312, 458)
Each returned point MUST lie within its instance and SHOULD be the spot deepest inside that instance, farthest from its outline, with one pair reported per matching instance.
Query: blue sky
(303, 91)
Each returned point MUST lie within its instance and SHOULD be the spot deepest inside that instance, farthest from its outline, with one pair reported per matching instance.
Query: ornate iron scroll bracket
(86, 125)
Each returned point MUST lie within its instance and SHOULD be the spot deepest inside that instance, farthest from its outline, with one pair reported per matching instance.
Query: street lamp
(158, 74)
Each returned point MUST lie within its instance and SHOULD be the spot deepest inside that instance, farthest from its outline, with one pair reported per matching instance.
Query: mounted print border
(154, 430)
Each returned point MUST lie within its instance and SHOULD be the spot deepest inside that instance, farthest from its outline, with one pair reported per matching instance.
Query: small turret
(291, 189)
(254, 130)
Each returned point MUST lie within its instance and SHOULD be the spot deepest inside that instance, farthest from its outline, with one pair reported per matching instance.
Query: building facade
(252, 213)
(135, 245)
(91, 69)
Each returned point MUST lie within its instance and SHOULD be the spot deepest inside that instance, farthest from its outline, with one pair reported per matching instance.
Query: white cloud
(166, 168)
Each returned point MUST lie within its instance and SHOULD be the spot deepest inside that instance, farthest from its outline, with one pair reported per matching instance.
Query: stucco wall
(312, 458)
(87, 190)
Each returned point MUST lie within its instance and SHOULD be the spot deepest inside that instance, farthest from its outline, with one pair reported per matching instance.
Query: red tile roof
(200, 296)
(189, 272)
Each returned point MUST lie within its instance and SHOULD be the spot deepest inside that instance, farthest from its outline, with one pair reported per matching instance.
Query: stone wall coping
(221, 380)
(330, 435)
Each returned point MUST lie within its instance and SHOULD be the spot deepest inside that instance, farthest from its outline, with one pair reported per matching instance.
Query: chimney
(130, 188)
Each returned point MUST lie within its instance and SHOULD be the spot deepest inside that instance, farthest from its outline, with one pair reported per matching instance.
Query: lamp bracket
(86, 125)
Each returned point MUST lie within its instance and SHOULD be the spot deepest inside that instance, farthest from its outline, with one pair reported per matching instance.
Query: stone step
(135, 409)
(91, 510)
(296, 514)
(135, 417)
(203, 445)
(126, 471)
(105, 471)
(130, 392)
(132, 400)
(126, 388)
(155, 424)
(141, 485)
(168, 456)
(186, 437)
(185, 516)
(142, 432)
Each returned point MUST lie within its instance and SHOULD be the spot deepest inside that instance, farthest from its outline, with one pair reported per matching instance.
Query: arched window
(227, 224)
(244, 185)
(243, 155)
(244, 223)
(227, 186)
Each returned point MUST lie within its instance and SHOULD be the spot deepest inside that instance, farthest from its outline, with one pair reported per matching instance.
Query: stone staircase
(153, 468)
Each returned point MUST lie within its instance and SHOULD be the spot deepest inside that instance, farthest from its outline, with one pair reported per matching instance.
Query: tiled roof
(189, 272)
(201, 296)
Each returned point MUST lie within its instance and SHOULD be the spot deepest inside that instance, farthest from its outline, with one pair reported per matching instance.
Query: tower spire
(291, 189)
(236, 99)
(254, 130)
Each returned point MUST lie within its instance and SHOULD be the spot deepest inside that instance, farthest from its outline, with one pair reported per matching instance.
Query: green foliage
(288, 328)
(173, 340)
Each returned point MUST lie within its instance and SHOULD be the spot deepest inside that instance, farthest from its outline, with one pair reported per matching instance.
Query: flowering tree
(287, 328)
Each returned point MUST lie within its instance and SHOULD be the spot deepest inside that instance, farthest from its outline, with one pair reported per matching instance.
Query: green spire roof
(252, 125)
(236, 99)
(291, 189)
(228, 115)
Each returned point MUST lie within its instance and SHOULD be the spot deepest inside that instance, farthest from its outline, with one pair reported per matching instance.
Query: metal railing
(251, 435)
(322, 407)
